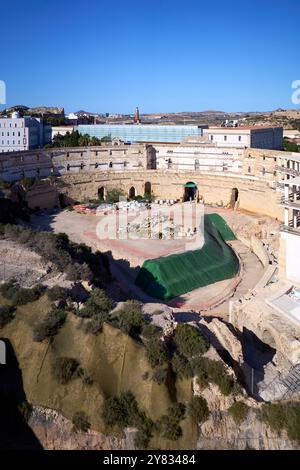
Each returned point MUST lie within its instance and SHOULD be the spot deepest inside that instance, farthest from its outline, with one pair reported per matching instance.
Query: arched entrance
(148, 189)
(101, 193)
(190, 191)
(132, 192)
(234, 197)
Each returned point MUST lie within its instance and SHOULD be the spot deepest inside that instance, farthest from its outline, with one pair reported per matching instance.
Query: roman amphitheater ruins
(256, 191)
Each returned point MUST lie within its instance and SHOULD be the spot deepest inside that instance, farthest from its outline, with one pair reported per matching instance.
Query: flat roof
(242, 128)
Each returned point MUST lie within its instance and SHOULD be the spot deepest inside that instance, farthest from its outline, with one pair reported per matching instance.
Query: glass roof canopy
(141, 133)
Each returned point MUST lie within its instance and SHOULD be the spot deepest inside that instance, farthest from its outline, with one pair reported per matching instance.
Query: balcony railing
(290, 229)
(291, 201)
(287, 171)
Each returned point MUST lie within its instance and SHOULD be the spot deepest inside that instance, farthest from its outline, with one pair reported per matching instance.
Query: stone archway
(148, 189)
(102, 193)
(234, 197)
(190, 191)
(132, 192)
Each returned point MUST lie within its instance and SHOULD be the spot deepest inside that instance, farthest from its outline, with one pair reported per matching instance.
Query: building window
(225, 138)
(240, 138)
(211, 137)
(249, 169)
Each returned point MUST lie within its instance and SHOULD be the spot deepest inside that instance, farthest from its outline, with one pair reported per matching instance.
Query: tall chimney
(137, 116)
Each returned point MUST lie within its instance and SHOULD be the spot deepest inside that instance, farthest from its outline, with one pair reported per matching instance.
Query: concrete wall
(289, 260)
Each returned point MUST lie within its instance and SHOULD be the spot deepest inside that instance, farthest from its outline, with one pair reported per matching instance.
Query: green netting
(170, 276)
(221, 225)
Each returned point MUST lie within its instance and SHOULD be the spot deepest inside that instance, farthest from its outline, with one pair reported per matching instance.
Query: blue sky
(162, 55)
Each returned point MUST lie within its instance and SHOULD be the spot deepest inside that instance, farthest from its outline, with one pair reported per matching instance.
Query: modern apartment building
(25, 133)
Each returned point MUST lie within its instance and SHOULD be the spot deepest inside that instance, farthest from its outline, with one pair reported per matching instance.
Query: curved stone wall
(81, 172)
(253, 194)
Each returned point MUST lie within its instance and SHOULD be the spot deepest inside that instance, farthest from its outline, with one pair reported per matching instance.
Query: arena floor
(128, 255)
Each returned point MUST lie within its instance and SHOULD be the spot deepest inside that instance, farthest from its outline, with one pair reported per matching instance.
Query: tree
(113, 195)
(198, 409)
(50, 326)
(181, 366)
(131, 318)
(189, 340)
(156, 352)
(238, 411)
(168, 425)
(98, 304)
(57, 293)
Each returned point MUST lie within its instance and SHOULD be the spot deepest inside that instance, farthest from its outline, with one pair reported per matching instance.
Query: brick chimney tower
(137, 116)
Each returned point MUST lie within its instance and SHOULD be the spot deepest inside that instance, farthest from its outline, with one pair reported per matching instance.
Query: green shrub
(283, 416)
(168, 428)
(24, 296)
(123, 411)
(238, 411)
(81, 421)
(131, 318)
(168, 425)
(189, 340)
(65, 369)
(208, 370)
(149, 330)
(50, 326)
(57, 293)
(113, 195)
(97, 304)
(7, 313)
(181, 367)
(120, 411)
(94, 326)
(19, 295)
(156, 352)
(198, 409)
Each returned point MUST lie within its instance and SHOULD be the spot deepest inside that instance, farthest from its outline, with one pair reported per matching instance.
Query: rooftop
(241, 128)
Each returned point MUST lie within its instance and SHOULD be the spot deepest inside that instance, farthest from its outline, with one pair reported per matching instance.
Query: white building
(242, 137)
(25, 133)
(198, 157)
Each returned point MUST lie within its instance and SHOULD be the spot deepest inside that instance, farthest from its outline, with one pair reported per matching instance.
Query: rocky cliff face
(56, 433)
(219, 432)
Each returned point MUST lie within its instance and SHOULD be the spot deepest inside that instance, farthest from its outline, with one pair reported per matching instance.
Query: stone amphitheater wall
(80, 173)
(254, 195)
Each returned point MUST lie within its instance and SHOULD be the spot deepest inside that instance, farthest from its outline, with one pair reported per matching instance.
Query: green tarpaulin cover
(170, 276)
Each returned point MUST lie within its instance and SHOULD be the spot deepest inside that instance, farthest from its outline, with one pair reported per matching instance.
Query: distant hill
(53, 111)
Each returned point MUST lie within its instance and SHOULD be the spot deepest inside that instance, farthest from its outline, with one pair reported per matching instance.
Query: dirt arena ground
(128, 255)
